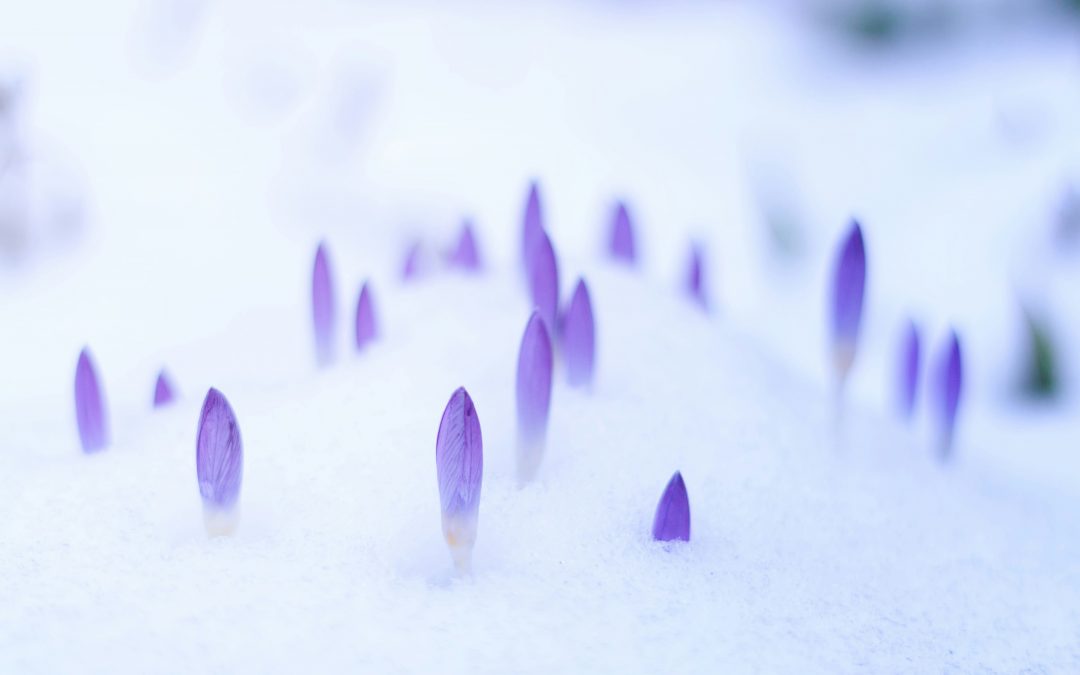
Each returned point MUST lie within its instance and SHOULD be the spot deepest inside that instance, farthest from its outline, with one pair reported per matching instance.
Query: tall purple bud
(459, 465)
(219, 463)
(465, 255)
(532, 223)
(322, 307)
(90, 406)
(849, 281)
(950, 386)
(544, 279)
(579, 338)
(909, 370)
(672, 519)
(622, 235)
(163, 390)
(365, 319)
(533, 397)
(695, 276)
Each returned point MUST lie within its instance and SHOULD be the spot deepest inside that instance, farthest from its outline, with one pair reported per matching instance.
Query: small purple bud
(410, 270)
(219, 463)
(465, 255)
(950, 383)
(532, 223)
(365, 318)
(544, 279)
(695, 282)
(578, 337)
(909, 369)
(163, 390)
(672, 519)
(90, 405)
(849, 280)
(459, 465)
(322, 307)
(533, 396)
(622, 235)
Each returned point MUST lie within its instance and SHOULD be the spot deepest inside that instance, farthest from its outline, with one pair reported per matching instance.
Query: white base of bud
(460, 533)
(220, 522)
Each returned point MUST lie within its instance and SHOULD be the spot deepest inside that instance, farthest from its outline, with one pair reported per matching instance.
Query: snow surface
(214, 156)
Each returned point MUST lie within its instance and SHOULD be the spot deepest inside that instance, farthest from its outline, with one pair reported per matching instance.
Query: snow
(211, 167)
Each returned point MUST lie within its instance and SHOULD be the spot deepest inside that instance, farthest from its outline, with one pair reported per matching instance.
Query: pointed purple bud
(695, 281)
(672, 519)
(163, 390)
(532, 223)
(909, 369)
(459, 465)
(544, 279)
(578, 337)
(410, 270)
(533, 396)
(950, 387)
(365, 318)
(465, 255)
(219, 463)
(322, 307)
(849, 280)
(622, 235)
(90, 405)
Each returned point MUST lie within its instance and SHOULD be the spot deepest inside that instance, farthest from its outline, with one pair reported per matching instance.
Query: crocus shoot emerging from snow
(578, 337)
(322, 307)
(950, 387)
(672, 519)
(849, 281)
(219, 463)
(544, 279)
(532, 224)
(622, 235)
(90, 406)
(365, 319)
(695, 273)
(465, 255)
(459, 465)
(410, 270)
(163, 390)
(533, 397)
(909, 369)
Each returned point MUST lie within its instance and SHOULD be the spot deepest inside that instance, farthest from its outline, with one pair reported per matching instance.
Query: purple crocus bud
(532, 223)
(950, 384)
(695, 282)
(533, 396)
(459, 464)
(578, 337)
(909, 369)
(411, 268)
(672, 519)
(322, 307)
(849, 280)
(465, 255)
(163, 390)
(622, 235)
(90, 405)
(219, 463)
(544, 279)
(365, 318)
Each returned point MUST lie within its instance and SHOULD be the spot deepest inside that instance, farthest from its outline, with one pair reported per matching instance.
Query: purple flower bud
(532, 223)
(219, 463)
(622, 235)
(163, 390)
(533, 396)
(411, 268)
(465, 255)
(909, 369)
(672, 519)
(459, 464)
(849, 280)
(90, 406)
(365, 318)
(950, 384)
(322, 307)
(695, 283)
(544, 279)
(578, 337)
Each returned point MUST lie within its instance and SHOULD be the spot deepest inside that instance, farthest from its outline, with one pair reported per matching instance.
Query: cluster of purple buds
(219, 464)
(90, 406)
(849, 282)
(459, 466)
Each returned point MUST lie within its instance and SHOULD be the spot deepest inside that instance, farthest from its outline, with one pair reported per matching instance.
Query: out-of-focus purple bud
(950, 384)
(695, 276)
(410, 270)
(163, 390)
(622, 235)
(579, 338)
(219, 463)
(322, 307)
(672, 519)
(459, 464)
(544, 279)
(365, 318)
(533, 396)
(849, 281)
(90, 405)
(465, 255)
(532, 223)
(909, 369)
